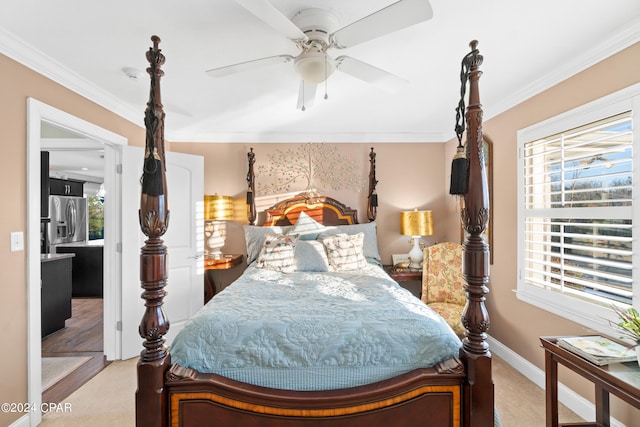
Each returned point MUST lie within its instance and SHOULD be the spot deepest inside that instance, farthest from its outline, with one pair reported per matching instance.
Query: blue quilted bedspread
(313, 331)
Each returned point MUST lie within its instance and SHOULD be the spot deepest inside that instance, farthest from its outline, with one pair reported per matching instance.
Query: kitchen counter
(90, 243)
(54, 257)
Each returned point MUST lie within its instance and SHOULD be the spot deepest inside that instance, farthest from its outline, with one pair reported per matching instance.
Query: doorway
(73, 350)
(39, 113)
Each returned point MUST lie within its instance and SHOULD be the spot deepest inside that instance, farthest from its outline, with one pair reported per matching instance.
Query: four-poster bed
(452, 391)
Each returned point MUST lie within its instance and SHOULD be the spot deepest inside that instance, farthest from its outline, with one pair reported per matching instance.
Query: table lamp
(416, 224)
(217, 209)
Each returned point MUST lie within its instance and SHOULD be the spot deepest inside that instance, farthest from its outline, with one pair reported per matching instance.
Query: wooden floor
(82, 336)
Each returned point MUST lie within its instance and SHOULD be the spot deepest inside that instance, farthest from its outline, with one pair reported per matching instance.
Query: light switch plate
(17, 241)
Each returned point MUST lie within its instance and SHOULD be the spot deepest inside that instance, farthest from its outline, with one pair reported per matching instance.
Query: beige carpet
(56, 368)
(108, 399)
(520, 402)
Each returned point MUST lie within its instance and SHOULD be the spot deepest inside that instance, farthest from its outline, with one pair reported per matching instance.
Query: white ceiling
(72, 156)
(527, 46)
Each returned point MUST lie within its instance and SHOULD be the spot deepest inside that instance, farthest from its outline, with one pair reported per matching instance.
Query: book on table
(598, 349)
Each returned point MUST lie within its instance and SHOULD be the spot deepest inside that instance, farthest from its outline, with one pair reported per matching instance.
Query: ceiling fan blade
(394, 17)
(267, 13)
(370, 74)
(248, 65)
(306, 95)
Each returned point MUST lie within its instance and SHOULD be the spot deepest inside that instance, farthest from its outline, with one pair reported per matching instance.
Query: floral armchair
(442, 283)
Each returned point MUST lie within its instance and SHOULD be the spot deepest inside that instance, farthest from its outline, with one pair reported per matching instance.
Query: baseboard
(23, 421)
(566, 396)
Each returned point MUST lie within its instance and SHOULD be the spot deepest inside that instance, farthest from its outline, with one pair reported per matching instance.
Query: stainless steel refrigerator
(68, 221)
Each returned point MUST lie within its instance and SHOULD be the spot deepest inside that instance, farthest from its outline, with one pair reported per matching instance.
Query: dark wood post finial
(475, 259)
(154, 219)
(475, 217)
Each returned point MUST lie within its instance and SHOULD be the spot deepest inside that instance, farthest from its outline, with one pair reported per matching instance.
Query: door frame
(38, 112)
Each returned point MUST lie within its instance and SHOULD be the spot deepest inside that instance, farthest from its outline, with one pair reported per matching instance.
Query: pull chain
(325, 77)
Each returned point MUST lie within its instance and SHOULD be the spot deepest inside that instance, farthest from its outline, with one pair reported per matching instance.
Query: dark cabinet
(44, 184)
(55, 292)
(66, 187)
(88, 271)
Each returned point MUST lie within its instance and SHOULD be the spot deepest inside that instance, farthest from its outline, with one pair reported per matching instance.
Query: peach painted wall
(410, 175)
(516, 324)
(17, 84)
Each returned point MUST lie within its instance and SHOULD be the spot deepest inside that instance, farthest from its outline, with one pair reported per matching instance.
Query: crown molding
(27, 55)
(619, 41)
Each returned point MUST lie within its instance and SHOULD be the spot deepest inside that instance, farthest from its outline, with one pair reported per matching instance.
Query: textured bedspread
(313, 331)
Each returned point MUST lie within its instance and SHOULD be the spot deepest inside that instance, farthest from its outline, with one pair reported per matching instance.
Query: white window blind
(578, 211)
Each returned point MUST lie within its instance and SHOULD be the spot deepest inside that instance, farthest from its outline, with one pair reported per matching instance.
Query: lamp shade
(416, 223)
(218, 208)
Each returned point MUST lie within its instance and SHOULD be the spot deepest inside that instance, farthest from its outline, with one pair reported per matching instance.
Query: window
(95, 206)
(576, 212)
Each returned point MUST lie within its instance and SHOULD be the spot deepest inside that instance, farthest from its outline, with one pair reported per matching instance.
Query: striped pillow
(345, 252)
(277, 253)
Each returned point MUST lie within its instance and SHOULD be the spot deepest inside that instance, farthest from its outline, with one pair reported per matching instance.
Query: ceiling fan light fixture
(314, 67)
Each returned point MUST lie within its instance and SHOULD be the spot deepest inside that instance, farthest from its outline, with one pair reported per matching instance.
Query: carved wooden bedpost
(251, 188)
(475, 265)
(372, 205)
(151, 399)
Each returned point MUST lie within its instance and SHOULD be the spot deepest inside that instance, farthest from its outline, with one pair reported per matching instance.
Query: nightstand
(214, 280)
(408, 279)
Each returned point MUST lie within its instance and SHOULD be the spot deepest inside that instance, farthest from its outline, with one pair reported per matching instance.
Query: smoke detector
(132, 73)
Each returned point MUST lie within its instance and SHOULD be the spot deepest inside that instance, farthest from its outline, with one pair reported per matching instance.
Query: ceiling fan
(309, 29)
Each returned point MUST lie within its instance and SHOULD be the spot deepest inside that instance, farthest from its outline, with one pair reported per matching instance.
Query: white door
(184, 240)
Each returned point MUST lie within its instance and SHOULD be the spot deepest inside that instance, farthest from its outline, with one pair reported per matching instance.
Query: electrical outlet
(17, 241)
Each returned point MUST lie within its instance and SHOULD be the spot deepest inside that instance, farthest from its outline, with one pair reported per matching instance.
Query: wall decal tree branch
(308, 167)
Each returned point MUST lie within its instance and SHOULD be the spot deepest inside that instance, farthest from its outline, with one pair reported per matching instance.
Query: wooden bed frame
(457, 392)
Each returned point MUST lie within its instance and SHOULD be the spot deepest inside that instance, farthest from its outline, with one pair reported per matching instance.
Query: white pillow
(254, 238)
(278, 253)
(345, 252)
(370, 244)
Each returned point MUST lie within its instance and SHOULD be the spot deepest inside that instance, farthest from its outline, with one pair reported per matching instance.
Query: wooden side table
(211, 264)
(408, 279)
(620, 379)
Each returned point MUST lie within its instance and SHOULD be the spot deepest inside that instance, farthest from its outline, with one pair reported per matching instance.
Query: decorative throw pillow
(254, 237)
(278, 253)
(345, 252)
(369, 229)
(306, 227)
